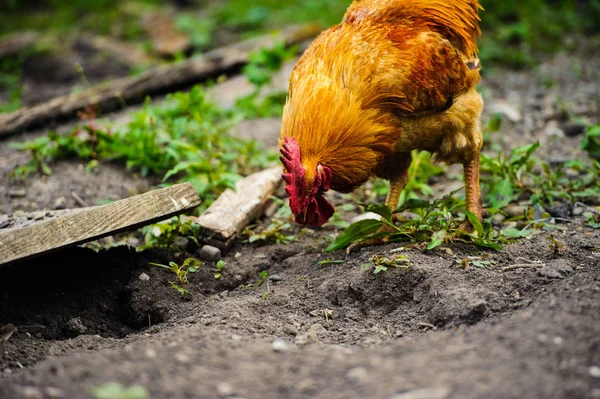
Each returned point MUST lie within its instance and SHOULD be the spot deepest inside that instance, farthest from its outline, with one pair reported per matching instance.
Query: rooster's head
(305, 188)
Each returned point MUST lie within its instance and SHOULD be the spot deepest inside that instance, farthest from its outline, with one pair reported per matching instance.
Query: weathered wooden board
(154, 80)
(96, 222)
(234, 210)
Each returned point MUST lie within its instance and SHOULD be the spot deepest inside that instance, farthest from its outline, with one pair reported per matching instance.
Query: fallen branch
(16, 43)
(525, 263)
(157, 79)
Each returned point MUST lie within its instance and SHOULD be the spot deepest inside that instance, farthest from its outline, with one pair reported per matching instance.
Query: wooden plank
(234, 210)
(97, 222)
(160, 78)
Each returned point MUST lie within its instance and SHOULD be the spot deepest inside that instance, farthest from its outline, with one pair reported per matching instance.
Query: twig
(428, 325)
(526, 264)
(79, 200)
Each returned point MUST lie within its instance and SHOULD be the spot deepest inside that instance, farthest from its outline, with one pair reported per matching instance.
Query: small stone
(19, 214)
(275, 278)
(358, 374)
(210, 253)
(32, 392)
(29, 216)
(236, 338)
(4, 223)
(75, 326)
(39, 215)
(594, 371)
(280, 345)
(60, 203)
(143, 277)
(514, 210)
(577, 211)
(17, 193)
(181, 242)
(225, 389)
(150, 353)
(54, 392)
(7, 371)
(497, 219)
(427, 393)
(511, 112)
(182, 357)
(558, 341)
(572, 129)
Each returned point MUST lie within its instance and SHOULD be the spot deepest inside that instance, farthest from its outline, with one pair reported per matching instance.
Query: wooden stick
(157, 79)
(233, 210)
(96, 222)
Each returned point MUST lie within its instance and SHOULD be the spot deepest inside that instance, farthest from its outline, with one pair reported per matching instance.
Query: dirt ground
(434, 330)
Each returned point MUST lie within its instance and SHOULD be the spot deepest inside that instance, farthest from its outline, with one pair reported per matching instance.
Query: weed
(219, 269)
(591, 141)
(436, 223)
(381, 263)
(190, 265)
(114, 390)
(555, 245)
(184, 139)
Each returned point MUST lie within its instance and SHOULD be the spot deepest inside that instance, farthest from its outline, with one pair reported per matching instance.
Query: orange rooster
(394, 76)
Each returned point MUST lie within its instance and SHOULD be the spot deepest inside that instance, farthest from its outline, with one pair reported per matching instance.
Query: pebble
(577, 211)
(17, 193)
(572, 129)
(182, 357)
(143, 277)
(54, 392)
(358, 374)
(181, 242)
(4, 224)
(427, 393)
(75, 326)
(560, 210)
(150, 353)
(60, 203)
(514, 210)
(279, 345)
(19, 214)
(236, 338)
(210, 253)
(32, 392)
(225, 389)
(509, 111)
(290, 329)
(275, 277)
(594, 371)
(39, 215)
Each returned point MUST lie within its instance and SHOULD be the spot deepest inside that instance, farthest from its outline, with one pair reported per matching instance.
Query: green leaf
(437, 239)
(501, 193)
(381, 209)
(356, 231)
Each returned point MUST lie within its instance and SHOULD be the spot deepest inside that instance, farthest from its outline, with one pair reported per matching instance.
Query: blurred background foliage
(516, 34)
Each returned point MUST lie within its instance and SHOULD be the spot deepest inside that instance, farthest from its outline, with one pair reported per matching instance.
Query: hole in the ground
(74, 292)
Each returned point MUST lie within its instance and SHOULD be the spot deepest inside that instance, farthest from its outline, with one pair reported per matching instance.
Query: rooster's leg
(398, 180)
(472, 193)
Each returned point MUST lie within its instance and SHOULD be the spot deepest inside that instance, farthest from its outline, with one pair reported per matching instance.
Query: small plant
(381, 263)
(219, 269)
(114, 390)
(436, 223)
(591, 141)
(190, 265)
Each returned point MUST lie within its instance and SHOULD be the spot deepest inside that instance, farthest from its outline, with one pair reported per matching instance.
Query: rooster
(394, 76)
